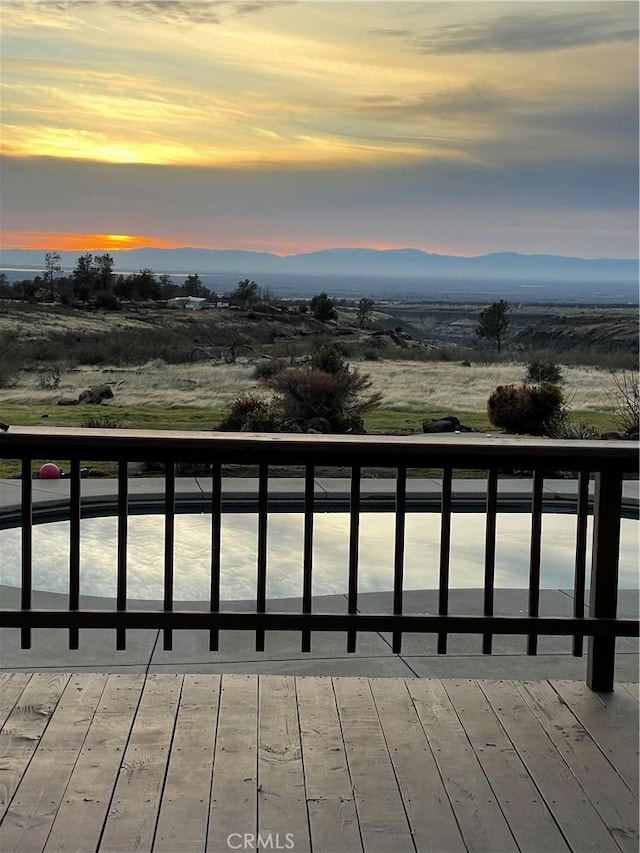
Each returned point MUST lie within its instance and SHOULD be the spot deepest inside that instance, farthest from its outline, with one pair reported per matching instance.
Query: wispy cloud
(182, 13)
(527, 30)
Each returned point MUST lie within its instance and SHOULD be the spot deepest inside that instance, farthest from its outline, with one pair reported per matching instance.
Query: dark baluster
(490, 554)
(169, 540)
(27, 547)
(307, 568)
(445, 551)
(74, 546)
(123, 519)
(216, 519)
(354, 529)
(263, 506)
(398, 566)
(534, 561)
(581, 557)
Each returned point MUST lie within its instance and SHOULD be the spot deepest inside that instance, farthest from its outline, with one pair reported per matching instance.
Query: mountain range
(398, 263)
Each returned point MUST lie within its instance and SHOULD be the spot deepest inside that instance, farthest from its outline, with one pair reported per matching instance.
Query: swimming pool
(145, 554)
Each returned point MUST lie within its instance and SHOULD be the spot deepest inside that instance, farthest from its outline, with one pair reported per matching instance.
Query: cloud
(183, 13)
(529, 30)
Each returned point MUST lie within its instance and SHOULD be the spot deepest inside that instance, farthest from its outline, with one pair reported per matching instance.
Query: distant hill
(397, 263)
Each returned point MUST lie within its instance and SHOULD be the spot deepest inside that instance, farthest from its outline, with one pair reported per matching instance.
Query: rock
(448, 424)
(67, 401)
(96, 394)
(317, 425)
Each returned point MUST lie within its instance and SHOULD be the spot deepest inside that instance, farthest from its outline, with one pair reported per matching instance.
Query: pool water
(145, 553)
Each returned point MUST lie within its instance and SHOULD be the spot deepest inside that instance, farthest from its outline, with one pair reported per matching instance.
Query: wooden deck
(172, 762)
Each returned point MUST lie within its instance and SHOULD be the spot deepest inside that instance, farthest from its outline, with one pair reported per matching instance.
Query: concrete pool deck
(328, 657)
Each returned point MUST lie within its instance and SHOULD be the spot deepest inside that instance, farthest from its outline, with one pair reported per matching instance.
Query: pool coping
(287, 493)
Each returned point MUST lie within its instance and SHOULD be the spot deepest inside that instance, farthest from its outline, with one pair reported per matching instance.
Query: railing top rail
(464, 449)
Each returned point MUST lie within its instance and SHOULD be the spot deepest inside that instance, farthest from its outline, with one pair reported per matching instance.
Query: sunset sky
(453, 127)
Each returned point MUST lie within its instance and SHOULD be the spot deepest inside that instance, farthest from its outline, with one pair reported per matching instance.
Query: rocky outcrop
(447, 424)
(92, 396)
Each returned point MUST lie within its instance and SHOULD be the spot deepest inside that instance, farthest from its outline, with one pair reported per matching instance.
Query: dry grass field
(406, 385)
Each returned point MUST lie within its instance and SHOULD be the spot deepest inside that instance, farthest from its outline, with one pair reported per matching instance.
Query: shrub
(541, 370)
(625, 401)
(526, 409)
(329, 359)
(562, 427)
(308, 393)
(107, 300)
(100, 422)
(266, 369)
(245, 407)
(264, 418)
(49, 377)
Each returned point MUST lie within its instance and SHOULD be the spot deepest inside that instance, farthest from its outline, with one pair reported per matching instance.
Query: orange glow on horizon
(62, 241)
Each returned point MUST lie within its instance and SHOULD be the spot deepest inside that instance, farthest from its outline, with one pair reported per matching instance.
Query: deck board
(612, 798)
(184, 812)
(30, 816)
(20, 735)
(372, 774)
(479, 816)
(234, 798)
(131, 821)
(171, 763)
(580, 823)
(333, 822)
(530, 821)
(94, 776)
(431, 816)
(610, 718)
(11, 686)
(282, 807)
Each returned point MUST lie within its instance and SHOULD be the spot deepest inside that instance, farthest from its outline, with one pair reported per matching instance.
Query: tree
(51, 267)
(103, 271)
(145, 285)
(84, 277)
(193, 286)
(494, 323)
(245, 293)
(364, 312)
(323, 308)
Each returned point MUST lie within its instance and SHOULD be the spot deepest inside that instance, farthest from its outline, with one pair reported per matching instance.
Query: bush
(526, 409)
(246, 408)
(541, 370)
(49, 377)
(100, 422)
(307, 393)
(564, 428)
(625, 401)
(267, 368)
(329, 359)
(107, 300)
(264, 418)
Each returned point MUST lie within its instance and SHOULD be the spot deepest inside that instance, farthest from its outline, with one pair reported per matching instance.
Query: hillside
(601, 330)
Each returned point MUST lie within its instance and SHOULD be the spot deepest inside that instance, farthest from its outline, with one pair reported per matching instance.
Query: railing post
(603, 599)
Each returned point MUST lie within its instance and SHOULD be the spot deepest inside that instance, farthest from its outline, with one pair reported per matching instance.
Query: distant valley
(390, 274)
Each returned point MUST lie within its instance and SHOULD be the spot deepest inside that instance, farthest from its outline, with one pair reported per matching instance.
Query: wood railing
(606, 462)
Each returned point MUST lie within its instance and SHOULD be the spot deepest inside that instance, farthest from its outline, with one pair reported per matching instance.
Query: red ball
(49, 471)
